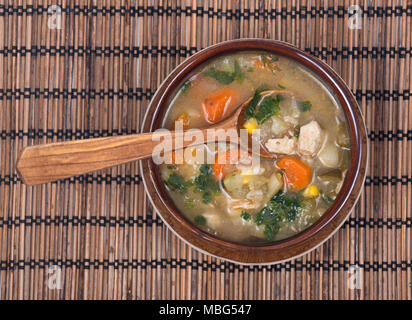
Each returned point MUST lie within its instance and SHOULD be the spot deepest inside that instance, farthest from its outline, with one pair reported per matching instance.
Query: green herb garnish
(185, 87)
(226, 77)
(245, 216)
(177, 183)
(250, 110)
(283, 207)
(271, 230)
(304, 106)
(206, 183)
(200, 220)
(281, 87)
(172, 167)
(268, 107)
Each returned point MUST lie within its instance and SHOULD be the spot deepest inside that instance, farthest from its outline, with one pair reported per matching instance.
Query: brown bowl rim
(307, 239)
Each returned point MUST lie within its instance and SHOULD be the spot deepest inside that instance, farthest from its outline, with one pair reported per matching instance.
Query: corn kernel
(251, 125)
(311, 191)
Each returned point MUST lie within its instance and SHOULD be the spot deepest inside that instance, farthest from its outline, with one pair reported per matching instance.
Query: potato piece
(310, 137)
(284, 145)
(256, 182)
(233, 184)
(330, 156)
(275, 183)
(279, 127)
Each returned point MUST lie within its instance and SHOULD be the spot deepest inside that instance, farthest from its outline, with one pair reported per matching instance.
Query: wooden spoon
(49, 162)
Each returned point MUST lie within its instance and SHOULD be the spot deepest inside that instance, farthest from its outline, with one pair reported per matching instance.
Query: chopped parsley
(268, 107)
(262, 111)
(177, 183)
(206, 183)
(283, 207)
(304, 106)
(225, 77)
(245, 216)
(200, 220)
(250, 110)
(172, 167)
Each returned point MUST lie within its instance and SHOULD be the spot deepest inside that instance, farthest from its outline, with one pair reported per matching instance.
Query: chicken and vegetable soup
(299, 121)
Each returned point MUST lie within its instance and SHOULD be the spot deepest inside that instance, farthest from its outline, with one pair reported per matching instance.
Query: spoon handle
(49, 162)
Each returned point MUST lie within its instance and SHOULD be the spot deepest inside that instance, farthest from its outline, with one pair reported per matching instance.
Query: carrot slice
(297, 175)
(219, 168)
(215, 106)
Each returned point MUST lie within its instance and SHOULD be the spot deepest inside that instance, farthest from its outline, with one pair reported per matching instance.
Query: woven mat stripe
(100, 228)
(316, 265)
(122, 222)
(164, 51)
(136, 179)
(140, 11)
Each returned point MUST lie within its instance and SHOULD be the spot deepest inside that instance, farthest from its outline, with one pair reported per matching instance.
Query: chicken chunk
(253, 201)
(284, 145)
(310, 137)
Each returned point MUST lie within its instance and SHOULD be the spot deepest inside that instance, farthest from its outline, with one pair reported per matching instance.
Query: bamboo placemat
(89, 68)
